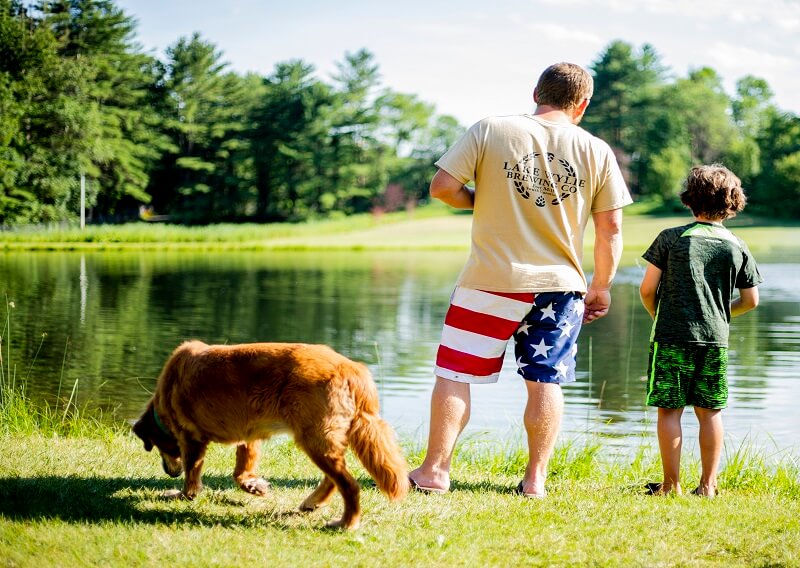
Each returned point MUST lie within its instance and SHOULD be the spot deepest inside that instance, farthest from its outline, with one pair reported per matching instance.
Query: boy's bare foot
(664, 488)
(708, 491)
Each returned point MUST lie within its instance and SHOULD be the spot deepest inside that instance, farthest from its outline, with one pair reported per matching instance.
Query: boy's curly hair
(713, 192)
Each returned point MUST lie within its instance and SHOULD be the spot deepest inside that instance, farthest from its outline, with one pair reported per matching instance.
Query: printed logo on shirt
(530, 179)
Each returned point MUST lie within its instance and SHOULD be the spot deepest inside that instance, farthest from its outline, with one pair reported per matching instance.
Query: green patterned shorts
(691, 374)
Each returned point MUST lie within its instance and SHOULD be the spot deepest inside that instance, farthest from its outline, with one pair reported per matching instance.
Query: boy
(688, 290)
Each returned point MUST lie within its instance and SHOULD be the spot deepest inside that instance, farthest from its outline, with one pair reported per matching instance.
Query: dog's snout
(171, 467)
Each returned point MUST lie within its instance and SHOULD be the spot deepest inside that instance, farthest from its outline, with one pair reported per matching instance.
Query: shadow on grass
(482, 487)
(138, 500)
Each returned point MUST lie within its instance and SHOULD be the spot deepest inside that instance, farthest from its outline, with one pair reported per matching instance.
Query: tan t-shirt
(536, 185)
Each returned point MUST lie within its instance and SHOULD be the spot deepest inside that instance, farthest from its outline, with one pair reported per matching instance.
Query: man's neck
(552, 114)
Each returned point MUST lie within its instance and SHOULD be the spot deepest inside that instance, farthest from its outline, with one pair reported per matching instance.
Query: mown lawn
(430, 228)
(93, 499)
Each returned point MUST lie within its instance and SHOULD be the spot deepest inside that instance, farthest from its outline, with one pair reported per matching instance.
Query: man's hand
(596, 304)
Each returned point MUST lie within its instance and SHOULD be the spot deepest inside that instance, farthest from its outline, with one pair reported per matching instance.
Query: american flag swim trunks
(479, 324)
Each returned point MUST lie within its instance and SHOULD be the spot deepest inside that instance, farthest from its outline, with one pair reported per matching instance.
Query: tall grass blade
(63, 364)
(70, 401)
(35, 357)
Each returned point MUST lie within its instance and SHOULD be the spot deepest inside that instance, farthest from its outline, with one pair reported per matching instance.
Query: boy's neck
(706, 220)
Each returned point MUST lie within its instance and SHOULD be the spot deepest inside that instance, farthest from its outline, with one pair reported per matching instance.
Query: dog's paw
(312, 503)
(256, 486)
(341, 525)
(172, 494)
(307, 506)
(175, 494)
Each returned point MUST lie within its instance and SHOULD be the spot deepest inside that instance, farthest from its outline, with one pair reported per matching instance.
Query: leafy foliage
(659, 128)
(186, 139)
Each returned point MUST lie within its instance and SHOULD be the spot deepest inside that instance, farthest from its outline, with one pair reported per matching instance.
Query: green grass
(91, 497)
(433, 227)
(246, 236)
(20, 415)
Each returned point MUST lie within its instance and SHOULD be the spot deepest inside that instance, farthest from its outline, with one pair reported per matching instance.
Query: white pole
(83, 280)
(83, 201)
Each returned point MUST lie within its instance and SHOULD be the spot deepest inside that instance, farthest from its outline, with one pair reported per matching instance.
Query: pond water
(101, 325)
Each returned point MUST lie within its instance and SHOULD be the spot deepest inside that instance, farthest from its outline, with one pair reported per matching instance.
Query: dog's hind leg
(192, 454)
(320, 496)
(244, 473)
(329, 457)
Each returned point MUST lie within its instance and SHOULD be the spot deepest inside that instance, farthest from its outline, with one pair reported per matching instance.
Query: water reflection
(111, 319)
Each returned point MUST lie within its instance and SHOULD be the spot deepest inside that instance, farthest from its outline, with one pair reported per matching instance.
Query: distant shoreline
(424, 230)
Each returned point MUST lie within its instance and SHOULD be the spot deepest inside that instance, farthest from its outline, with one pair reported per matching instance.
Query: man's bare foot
(429, 483)
(530, 490)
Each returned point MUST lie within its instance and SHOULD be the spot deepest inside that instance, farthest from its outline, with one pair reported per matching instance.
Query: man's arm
(649, 288)
(747, 300)
(607, 253)
(448, 189)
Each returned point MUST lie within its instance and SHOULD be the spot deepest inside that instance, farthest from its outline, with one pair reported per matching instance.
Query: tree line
(185, 137)
(659, 127)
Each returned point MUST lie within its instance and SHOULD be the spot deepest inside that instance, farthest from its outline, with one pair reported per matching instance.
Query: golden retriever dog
(243, 394)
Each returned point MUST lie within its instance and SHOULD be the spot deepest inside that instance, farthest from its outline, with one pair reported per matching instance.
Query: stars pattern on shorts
(565, 327)
(541, 349)
(549, 312)
(546, 334)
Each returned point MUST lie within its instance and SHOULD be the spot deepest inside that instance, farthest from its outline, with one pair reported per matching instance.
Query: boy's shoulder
(700, 228)
(680, 229)
(672, 233)
(716, 232)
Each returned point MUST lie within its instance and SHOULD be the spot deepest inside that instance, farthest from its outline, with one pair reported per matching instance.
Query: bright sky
(477, 58)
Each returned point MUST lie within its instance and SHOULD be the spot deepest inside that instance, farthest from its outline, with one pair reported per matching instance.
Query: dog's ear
(142, 429)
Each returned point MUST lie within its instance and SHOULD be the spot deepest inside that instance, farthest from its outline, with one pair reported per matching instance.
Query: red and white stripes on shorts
(476, 330)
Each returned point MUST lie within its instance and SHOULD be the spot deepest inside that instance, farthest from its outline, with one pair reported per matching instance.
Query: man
(538, 178)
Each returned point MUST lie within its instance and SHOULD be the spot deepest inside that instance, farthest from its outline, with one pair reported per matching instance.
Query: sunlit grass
(77, 488)
(20, 415)
(93, 498)
(433, 227)
(240, 236)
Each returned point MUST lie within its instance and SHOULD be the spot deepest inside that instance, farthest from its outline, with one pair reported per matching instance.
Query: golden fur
(243, 394)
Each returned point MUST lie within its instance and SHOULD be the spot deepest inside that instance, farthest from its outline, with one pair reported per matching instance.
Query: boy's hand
(596, 304)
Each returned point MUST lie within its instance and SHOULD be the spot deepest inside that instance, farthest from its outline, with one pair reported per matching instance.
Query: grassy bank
(430, 228)
(328, 233)
(75, 491)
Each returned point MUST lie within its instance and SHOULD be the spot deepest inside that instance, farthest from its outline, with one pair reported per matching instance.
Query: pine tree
(119, 133)
(205, 108)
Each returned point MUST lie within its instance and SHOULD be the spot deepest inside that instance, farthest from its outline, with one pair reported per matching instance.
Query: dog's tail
(373, 440)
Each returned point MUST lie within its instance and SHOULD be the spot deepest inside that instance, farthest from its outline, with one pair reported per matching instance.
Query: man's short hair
(564, 86)
(713, 192)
